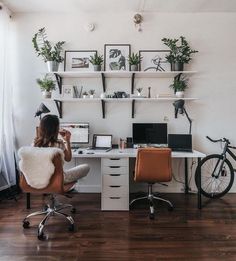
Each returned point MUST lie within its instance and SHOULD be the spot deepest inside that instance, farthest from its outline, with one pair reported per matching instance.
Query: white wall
(212, 34)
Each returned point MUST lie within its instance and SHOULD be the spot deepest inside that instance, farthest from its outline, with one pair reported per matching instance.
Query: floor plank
(184, 234)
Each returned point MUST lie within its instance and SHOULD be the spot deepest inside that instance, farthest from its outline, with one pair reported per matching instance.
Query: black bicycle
(217, 172)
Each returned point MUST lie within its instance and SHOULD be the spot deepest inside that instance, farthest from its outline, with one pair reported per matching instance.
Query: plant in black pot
(50, 53)
(180, 52)
(134, 60)
(97, 61)
(179, 85)
(47, 85)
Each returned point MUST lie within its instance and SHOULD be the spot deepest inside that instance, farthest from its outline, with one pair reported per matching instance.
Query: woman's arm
(66, 135)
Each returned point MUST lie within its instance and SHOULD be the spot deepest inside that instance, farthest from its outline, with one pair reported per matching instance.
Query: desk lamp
(179, 107)
(42, 109)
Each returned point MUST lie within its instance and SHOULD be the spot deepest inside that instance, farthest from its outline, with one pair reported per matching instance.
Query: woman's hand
(65, 134)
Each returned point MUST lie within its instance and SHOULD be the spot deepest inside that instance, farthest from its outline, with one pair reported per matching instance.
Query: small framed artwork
(67, 91)
(154, 60)
(116, 57)
(78, 60)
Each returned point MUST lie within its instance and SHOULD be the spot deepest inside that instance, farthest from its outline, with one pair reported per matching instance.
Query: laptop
(102, 142)
(180, 142)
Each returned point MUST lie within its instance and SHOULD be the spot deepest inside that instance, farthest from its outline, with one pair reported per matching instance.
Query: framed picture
(116, 57)
(78, 60)
(154, 60)
(67, 91)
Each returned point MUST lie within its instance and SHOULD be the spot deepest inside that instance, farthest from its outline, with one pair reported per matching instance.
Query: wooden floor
(184, 234)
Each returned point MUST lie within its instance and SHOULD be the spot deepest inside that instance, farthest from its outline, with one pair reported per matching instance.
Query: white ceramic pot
(84, 96)
(46, 95)
(103, 95)
(179, 94)
(139, 93)
(91, 96)
(52, 66)
(134, 67)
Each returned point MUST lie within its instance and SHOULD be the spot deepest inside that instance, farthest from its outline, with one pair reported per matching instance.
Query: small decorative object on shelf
(103, 95)
(47, 85)
(91, 93)
(138, 19)
(51, 54)
(68, 91)
(97, 61)
(179, 85)
(85, 94)
(139, 90)
(134, 61)
(180, 53)
(149, 92)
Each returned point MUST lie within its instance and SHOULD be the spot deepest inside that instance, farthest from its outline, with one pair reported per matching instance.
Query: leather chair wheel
(170, 208)
(41, 236)
(73, 210)
(151, 216)
(71, 227)
(26, 224)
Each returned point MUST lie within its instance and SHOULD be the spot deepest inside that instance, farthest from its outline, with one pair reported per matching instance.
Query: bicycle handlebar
(220, 140)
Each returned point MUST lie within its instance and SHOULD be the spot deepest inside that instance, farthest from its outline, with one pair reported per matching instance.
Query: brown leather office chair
(153, 165)
(55, 186)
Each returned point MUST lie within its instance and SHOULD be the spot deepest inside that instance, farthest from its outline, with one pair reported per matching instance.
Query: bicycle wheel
(212, 186)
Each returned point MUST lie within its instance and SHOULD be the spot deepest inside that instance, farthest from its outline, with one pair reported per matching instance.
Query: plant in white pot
(50, 53)
(91, 93)
(139, 90)
(97, 61)
(47, 85)
(85, 94)
(179, 85)
(134, 60)
(180, 52)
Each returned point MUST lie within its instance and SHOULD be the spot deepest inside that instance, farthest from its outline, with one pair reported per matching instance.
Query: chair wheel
(151, 216)
(26, 224)
(170, 208)
(45, 207)
(41, 236)
(71, 227)
(73, 210)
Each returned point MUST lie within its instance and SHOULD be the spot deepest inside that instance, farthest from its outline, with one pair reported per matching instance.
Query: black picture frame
(122, 64)
(160, 65)
(78, 62)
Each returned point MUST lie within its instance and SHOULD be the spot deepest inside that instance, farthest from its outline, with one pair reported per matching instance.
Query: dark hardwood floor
(184, 234)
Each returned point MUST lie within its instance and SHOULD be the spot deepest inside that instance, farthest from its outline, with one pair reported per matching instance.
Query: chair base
(48, 211)
(151, 198)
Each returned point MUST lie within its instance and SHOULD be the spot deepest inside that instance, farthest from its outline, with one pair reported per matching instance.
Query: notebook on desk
(102, 142)
(180, 142)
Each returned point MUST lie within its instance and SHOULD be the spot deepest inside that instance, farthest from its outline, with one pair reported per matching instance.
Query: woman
(47, 136)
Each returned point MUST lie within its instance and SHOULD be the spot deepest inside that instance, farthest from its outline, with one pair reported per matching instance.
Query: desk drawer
(115, 162)
(115, 179)
(115, 170)
(115, 203)
(115, 191)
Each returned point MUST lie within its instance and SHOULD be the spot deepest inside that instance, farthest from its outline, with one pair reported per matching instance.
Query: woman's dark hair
(48, 131)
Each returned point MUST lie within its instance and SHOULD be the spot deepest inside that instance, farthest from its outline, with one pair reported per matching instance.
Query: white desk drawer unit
(115, 184)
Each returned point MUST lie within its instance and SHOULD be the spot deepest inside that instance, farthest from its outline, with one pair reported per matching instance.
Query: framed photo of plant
(78, 60)
(116, 57)
(154, 60)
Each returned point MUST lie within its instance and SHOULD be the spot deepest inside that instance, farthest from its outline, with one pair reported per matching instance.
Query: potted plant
(180, 52)
(97, 61)
(139, 90)
(51, 54)
(179, 85)
(134, 60)
(91, 93)
(47, 85)
(85, 94)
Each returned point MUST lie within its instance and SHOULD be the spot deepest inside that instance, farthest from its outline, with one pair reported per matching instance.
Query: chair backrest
(56, 182)
(153, 165)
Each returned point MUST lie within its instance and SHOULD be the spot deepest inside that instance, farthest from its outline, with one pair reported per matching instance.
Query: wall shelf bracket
(59, 82)
(59, 107)
(177, 77)
(133, 107)
(132, 83)
(103, 82)
(103, 109)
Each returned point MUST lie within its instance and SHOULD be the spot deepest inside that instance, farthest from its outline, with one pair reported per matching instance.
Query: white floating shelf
(122, 74)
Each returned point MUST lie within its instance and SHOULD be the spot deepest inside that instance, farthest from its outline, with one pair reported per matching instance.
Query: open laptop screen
(180, 142)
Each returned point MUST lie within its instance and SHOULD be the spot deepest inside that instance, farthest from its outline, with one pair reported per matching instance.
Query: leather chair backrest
(153, 165)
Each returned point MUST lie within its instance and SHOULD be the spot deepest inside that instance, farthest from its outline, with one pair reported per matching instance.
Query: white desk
(115, 174)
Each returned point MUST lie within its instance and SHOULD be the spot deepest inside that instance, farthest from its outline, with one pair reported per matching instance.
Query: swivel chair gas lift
(55, 186)
(153, 165)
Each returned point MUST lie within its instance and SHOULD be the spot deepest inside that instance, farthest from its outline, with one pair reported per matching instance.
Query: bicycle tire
(228, 172)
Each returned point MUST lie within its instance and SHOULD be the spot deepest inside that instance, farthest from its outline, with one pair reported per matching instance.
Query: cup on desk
(122, 144)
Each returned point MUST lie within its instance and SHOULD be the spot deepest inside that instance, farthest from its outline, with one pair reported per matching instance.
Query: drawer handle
(114, 175)
(114, 167)
(114, 197)
(115, 159)
(114, 186)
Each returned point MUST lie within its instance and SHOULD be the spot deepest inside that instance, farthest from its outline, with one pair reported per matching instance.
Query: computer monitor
(79, 132)
(150, 133)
